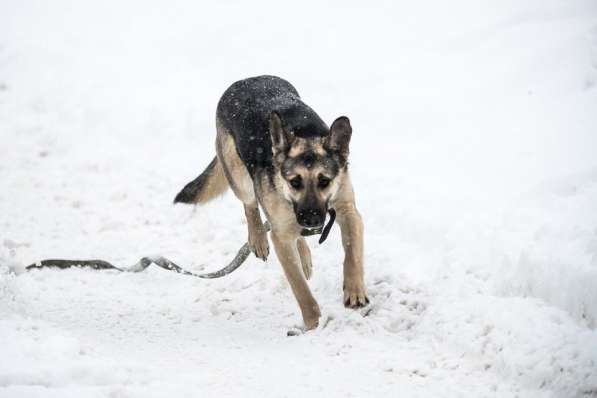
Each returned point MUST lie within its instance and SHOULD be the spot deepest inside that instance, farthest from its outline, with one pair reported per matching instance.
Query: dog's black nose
(311, 218)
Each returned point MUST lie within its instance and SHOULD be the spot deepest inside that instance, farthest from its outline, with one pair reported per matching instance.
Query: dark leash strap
(166, 264)
(328, 226)
(145, 262)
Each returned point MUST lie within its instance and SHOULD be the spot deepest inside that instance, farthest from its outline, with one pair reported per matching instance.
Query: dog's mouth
(324, 231)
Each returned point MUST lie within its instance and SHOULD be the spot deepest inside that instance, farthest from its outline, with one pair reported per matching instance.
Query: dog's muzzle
(324, 231)
(310, 218)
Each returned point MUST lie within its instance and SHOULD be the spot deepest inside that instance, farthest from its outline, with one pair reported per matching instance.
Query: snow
(474, 164)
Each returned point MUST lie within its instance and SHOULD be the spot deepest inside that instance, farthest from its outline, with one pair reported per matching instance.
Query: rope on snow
(166, 264)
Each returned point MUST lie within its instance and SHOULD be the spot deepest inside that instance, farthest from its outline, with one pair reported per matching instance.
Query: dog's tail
(211, 183)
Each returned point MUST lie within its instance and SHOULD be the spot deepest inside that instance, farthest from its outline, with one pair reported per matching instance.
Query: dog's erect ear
(281, 139)
(340, 134)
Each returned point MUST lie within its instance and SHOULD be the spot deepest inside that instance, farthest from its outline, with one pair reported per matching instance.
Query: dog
(277, 154)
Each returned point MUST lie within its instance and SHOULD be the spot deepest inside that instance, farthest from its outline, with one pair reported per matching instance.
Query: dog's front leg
(287, 252)
(351, 227)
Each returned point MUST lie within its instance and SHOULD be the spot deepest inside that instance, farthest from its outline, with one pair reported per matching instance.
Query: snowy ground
(474, 158)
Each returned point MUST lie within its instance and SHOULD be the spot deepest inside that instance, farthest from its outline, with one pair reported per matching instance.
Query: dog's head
(310, 169)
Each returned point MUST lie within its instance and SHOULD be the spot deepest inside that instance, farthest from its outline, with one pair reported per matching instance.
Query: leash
(328, 226)
(166, 264)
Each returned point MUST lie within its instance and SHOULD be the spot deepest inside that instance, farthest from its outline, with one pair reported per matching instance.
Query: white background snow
(474, 159)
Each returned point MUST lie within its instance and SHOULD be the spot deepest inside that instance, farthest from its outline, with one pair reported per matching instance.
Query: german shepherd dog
(276, 153)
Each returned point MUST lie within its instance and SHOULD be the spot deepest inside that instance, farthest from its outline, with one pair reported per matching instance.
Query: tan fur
(288, 254)
(292, 252)
(240, 181)
(257, 233)
(300, 145)
(309, 175)
(351, 228)
(236, 172)
(305, 254)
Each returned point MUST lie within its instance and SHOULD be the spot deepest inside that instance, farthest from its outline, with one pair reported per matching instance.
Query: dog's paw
(355, 295)
(311, 315)
(259, 244)
(311, 322)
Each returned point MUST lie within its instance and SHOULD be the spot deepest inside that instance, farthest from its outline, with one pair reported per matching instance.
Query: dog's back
(245, 109)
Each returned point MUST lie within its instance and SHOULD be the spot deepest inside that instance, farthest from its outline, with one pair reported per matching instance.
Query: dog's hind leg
(242, 185)
(257, 233)
(305, 255)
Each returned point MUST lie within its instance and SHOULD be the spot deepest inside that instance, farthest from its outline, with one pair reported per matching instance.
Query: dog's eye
(296, 182)
(323, 182)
